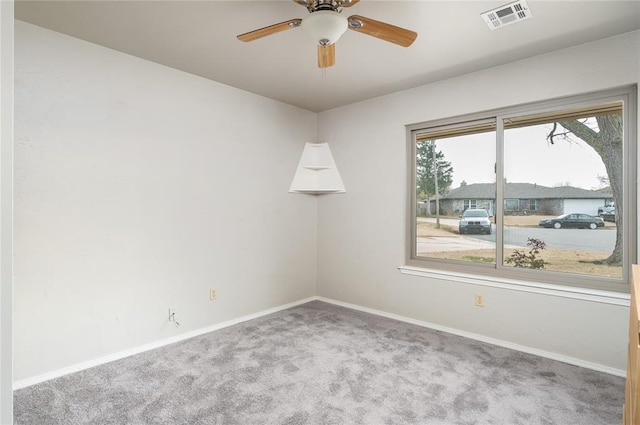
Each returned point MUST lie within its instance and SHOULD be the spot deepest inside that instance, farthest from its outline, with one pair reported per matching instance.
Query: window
(518, 192)
(470, 203)
(458, 164)
(520, 205)
(511, 204)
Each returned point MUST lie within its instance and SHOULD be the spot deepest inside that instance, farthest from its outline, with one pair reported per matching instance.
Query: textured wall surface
(137, 189)
(360, 248)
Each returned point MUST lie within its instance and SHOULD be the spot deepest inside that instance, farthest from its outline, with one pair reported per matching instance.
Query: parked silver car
(475, 220)
(608, 208)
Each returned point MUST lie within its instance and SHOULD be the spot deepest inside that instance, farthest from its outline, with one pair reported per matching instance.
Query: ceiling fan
(325, 25)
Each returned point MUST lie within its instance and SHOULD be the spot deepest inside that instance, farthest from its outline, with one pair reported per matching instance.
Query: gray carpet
(323, 364)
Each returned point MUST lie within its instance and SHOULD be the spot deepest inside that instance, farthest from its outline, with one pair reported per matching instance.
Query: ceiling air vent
(507, 14)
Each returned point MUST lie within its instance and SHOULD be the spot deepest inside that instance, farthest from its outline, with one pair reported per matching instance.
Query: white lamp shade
(317, 173)
(324, 25)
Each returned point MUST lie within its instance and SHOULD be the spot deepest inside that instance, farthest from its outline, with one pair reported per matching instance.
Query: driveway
(455, 243)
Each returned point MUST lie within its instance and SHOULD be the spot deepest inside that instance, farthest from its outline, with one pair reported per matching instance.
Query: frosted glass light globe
(324, 26)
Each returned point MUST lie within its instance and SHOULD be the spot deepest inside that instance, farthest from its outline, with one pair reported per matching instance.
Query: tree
(604, 181)
(425, 170)
(607, 141)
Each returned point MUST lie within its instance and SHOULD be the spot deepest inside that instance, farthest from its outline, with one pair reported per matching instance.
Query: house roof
(523, 191)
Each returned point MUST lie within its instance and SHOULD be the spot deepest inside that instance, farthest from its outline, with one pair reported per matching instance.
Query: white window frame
(467, 204)
(499, 272)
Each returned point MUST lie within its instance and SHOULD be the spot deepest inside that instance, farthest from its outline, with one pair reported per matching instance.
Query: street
(600, 240)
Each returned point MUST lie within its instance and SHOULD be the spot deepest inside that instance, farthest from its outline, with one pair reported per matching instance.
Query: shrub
(528, 260)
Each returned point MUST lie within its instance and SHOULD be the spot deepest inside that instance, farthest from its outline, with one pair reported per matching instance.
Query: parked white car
(607, 209)
(475, 220)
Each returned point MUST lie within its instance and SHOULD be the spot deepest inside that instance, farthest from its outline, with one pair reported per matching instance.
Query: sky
(529, 158)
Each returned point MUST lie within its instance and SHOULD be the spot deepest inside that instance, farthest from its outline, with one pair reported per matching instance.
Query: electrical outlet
(213, 294)
(479, 300)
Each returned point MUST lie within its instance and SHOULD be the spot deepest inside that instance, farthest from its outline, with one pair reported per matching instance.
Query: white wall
(6, 210)
(361, 235)
(139, 187)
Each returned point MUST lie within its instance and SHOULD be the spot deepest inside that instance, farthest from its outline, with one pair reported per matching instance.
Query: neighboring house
(523, 199)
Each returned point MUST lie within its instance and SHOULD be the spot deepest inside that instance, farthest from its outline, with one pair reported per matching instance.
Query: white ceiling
(199, 37)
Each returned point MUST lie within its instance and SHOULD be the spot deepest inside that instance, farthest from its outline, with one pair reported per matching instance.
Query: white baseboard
(493, 341)
(147, 347)
(141, 349)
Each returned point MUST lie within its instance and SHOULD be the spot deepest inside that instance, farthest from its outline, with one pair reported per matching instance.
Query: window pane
(457, 223)
(556, 188)
(556, 176)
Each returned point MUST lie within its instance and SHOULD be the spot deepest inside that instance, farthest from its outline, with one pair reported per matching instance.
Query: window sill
(599, 296)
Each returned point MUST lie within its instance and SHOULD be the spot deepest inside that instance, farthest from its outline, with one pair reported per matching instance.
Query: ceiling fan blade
(381, 30)
(326, 55)
(272, 29)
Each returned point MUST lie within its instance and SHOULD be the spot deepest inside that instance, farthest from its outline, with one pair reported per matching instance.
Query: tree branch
(553, 133)
(584, 132)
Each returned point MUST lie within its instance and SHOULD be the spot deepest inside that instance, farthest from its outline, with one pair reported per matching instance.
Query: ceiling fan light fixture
(324, 26)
